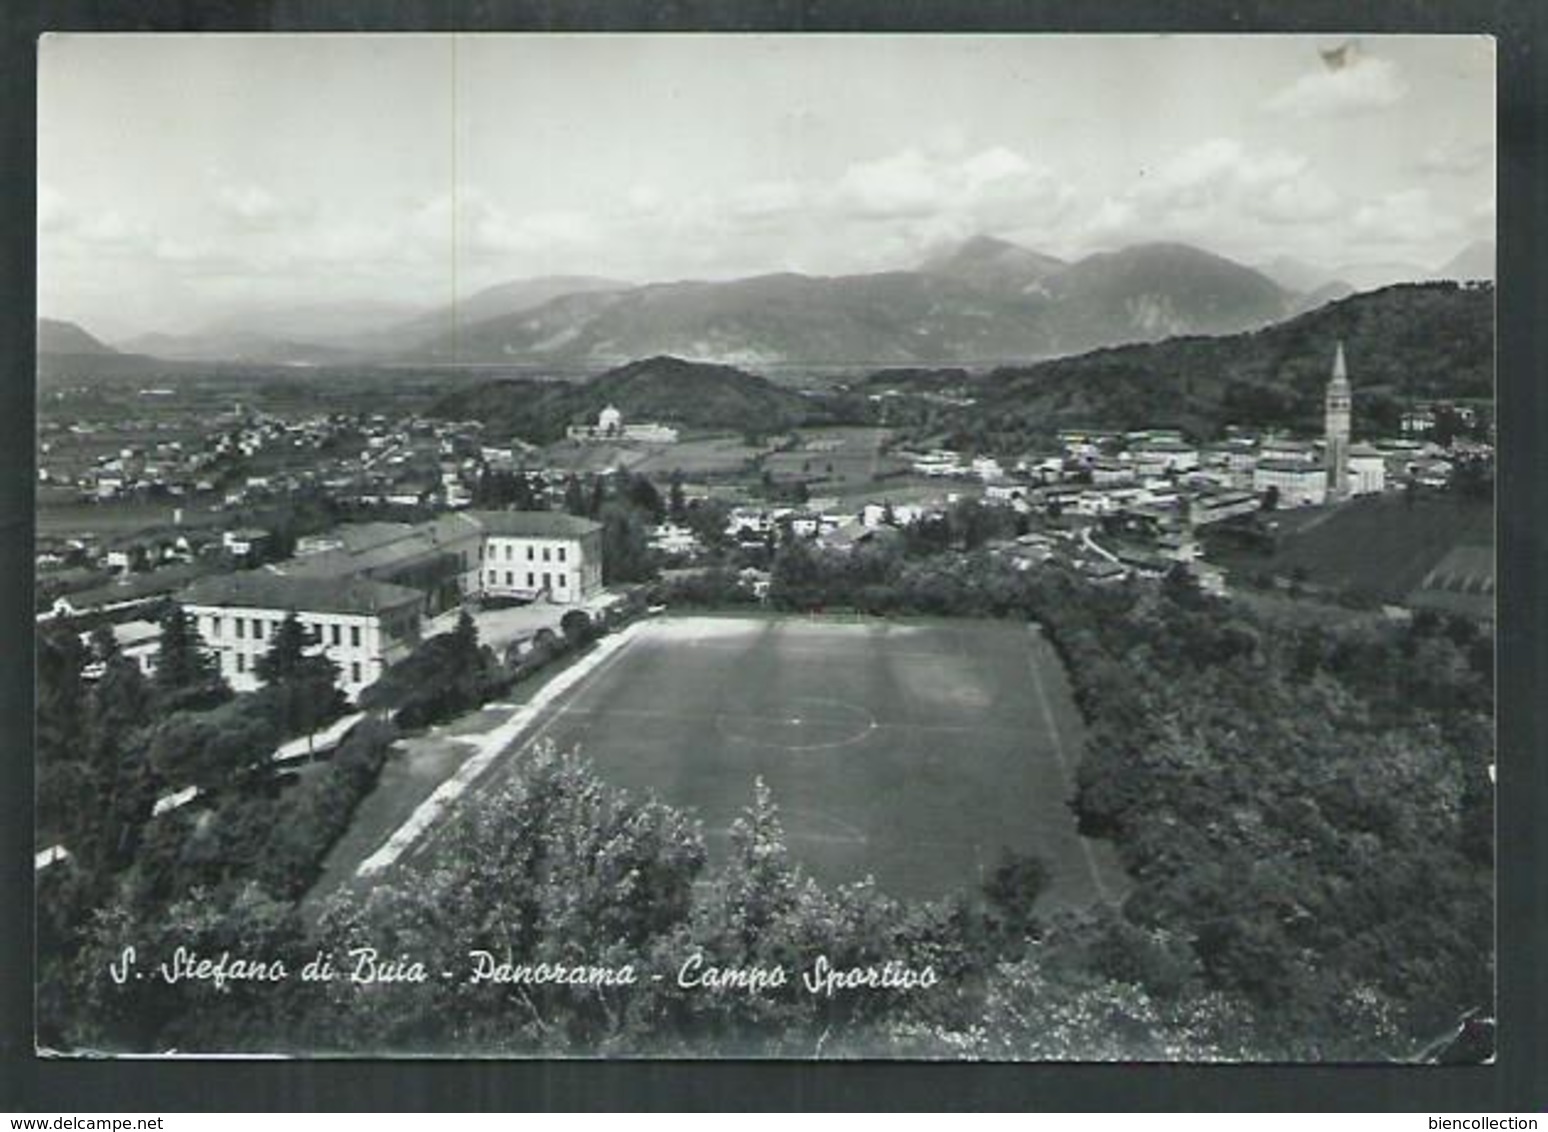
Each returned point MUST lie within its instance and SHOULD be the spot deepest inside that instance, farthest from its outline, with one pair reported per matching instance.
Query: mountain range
(1404, 341)
(985, 301)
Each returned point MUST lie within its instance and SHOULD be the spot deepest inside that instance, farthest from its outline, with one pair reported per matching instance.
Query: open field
(701, 456)
(836, 456)
(1379, 546)
(912, 752)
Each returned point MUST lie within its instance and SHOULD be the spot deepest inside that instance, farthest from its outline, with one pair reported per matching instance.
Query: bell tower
(1336, 430)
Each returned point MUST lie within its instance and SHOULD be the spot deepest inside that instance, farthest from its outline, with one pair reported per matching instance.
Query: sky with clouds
(183, 179)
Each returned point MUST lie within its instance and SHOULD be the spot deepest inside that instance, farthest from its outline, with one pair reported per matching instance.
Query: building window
(561, 581)
(354, 671)
(547, 581)
(545, 554)
(354, 636)
(335, 634)
(561, 554)
(241, 662)
(530, 555)
(530, 580)
(493, 577)
(214, 626)
(241, 627)
(257, 629)
(508, 578)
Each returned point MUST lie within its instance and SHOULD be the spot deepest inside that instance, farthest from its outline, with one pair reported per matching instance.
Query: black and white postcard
(938, 547)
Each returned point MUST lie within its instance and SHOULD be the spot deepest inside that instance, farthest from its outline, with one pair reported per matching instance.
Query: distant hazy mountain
(1476, 261)
(893, 317)
(1370, 276)
(690, 394)
(984, 301)
(236, 346)
(342, 324)
(994, 265)
(1321, 296)
(512, 297)
(987, 300)
(56, 336)
(1156, 291)
(1296, 274)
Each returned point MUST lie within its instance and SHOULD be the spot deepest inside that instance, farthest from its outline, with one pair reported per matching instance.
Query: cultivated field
(915, 753)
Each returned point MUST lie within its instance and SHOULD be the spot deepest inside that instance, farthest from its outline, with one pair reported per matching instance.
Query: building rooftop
(364, 547)
(532, 524)
(1300, 467)
(268, 589)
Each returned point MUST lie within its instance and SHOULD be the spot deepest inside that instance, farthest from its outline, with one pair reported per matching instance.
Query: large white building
(538, 554)
(610, 426)
(363, 626)
(365, 589)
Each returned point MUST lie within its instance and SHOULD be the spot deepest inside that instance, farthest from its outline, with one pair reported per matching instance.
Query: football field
(914, 753)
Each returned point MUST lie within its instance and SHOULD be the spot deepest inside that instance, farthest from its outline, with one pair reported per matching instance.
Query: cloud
(1362, 85)
(1220, 184)
(250, 206)
(1405, 218)
(1457, 158)
(912, 184)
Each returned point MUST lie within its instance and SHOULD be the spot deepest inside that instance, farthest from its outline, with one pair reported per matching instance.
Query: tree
(642, 494)
(574, 497)
(186, 673)
(557, 865)
(302, 677)
(677, 507)
(708, 519)
(626, 553)
(446, 675)
(576, 626)
(1012, 891)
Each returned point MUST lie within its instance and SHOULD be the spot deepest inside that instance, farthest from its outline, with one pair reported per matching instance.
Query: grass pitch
(914, 753)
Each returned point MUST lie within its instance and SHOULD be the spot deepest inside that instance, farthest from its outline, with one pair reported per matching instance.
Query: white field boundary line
(489, 747)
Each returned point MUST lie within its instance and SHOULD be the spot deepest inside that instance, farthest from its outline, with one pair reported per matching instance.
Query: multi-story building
(538, 554)
(363, 626)
(365, 588)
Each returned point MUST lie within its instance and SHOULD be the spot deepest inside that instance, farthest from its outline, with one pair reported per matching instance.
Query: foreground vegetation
(1305, 810)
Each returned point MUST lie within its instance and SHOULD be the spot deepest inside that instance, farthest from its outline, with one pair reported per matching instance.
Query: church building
(1335, 453)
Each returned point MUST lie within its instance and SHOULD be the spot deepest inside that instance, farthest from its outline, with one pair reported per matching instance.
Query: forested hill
(666, 389)
(1407, 341)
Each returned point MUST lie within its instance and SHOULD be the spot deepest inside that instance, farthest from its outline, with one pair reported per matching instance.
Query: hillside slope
(1407, 341)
